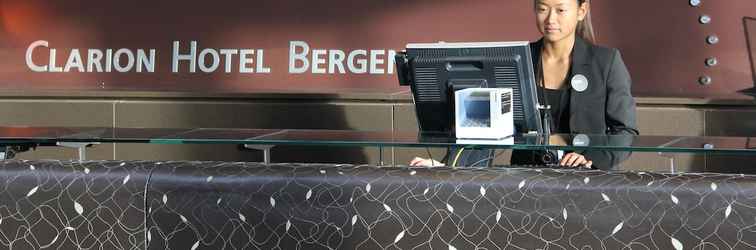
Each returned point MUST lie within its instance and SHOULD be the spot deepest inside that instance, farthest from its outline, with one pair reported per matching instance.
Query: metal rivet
(712, 39)
(704, 19)
(695, 3)
(704, 80)
(711, 61)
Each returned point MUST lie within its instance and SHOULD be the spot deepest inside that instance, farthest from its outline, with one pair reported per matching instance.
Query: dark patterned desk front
(69, 205)
(205, 205)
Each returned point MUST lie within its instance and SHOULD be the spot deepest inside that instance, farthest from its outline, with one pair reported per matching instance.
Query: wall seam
(705, 133)
(393, 129)
(114, 126)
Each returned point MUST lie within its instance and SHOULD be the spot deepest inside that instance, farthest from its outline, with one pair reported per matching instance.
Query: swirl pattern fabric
(223, 205)
(71, 205)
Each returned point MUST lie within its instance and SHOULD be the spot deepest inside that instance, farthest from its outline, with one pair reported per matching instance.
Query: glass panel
(214, 135)
(38, 132)
(48, 135)
(716, 144)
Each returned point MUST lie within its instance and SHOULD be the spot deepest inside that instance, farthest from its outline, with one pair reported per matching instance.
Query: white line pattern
(60, 205)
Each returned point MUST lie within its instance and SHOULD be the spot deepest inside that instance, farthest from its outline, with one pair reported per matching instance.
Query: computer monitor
(435, 70)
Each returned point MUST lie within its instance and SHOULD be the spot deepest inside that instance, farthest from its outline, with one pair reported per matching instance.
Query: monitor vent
(506, 102)
(425, 82)
(433, 53)
(507, 77)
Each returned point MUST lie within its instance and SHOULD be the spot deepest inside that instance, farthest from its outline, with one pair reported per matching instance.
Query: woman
(563, 58)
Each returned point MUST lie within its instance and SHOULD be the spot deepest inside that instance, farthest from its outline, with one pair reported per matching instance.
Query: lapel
(582, 54)
(581, 64)
(581, 59)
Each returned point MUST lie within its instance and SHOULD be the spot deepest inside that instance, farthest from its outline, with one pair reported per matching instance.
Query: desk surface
(680, 144)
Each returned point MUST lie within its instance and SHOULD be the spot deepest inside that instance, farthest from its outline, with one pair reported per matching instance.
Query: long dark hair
(585, 27)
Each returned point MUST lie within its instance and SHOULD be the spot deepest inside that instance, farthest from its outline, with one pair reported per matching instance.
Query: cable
(489, 158)
(546, 120)
(456, 158)
(541, 82)
(430, 156)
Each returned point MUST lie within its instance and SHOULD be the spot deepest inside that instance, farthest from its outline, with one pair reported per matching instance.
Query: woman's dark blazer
(606, 106)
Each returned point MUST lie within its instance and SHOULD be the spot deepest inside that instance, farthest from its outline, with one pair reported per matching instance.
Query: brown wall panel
(662, 42)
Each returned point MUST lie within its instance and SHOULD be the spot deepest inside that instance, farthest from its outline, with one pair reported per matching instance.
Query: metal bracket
(264, 148)
(671, 158)
(4, 155)
(380, 156)
(81, 146)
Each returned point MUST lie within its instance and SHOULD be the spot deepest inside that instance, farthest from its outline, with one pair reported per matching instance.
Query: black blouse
(559, 100)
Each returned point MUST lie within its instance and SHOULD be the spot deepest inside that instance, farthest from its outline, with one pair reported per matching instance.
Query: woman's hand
(422, 162)
(575, 160)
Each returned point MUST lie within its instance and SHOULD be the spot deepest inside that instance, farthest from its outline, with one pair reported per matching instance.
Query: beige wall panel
(192, 152)
(405, 118)
(651, 121)
(670, 121)
(59, 113)
(355, 116)
(653, 162)
(320, 114)
(72, 113)
(733, 164)
(731, 122)
(95, 152)
(406, 121)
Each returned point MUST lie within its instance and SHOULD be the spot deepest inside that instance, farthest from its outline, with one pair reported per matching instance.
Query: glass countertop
(645, 143)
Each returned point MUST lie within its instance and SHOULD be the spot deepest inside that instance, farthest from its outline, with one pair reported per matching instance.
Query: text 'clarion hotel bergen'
(190, 57)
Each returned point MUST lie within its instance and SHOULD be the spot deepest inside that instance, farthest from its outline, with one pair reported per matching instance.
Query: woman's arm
(620, 105)
(620, 116)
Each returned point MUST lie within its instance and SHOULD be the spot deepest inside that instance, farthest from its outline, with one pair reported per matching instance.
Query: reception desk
(233, 205)
(226, 205)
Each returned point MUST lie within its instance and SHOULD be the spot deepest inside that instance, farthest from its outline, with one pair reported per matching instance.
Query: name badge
(581, 140)
(579, 83)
